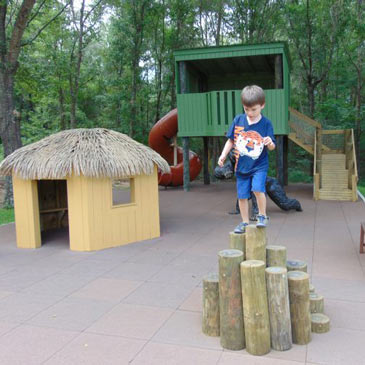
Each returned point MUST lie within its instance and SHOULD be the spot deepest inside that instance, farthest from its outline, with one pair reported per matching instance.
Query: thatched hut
(100, 183)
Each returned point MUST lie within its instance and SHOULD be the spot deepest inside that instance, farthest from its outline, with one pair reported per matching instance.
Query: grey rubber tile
(132, 321)
(107, 289)
(164, 295)
(165, 354)
(20, 307)
(75, 314)
(60, 284)
(32, 345)
(184, 328)
(133, 271)
(92, 349)
(340, 346)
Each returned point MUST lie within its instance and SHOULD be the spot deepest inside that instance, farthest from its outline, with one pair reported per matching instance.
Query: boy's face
(253, 111)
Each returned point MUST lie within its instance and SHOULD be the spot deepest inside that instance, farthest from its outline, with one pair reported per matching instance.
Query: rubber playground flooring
(141, 303)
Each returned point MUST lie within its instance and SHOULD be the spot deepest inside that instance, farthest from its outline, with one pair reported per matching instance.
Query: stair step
(345, 194)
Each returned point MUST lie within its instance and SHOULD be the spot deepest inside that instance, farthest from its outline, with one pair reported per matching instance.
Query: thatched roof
(95, 152)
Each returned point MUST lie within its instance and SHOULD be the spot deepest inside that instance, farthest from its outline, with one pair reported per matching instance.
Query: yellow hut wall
(95, 224)
(26, 212)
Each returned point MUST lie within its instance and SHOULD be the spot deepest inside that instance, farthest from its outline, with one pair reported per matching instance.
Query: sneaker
(241, 228)
(262, 221)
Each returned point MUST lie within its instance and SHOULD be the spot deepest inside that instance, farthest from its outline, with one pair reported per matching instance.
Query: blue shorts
(254, 182)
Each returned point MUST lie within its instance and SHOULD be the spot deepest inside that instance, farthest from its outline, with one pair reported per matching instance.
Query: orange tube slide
(160, 140)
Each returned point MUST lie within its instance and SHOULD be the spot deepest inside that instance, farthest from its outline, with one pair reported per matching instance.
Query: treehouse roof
(94, 152)
(233, 59)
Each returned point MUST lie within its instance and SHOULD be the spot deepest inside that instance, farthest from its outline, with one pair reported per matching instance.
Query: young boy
(251, 134)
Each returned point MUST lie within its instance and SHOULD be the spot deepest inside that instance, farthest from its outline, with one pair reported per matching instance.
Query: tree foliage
(110, 63)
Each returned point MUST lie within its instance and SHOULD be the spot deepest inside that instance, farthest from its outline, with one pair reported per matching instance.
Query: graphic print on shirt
(249, 143)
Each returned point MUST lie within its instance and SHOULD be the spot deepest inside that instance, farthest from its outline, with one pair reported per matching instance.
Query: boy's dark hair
(252, 95)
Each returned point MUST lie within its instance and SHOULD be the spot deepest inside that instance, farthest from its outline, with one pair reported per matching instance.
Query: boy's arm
(268, 142)
(227, 147)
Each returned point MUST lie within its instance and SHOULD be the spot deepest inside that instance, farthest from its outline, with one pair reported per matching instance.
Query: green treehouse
(209, 83)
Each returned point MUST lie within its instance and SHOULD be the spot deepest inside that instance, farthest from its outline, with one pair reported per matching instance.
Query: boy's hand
(267, 141)
(221, 160)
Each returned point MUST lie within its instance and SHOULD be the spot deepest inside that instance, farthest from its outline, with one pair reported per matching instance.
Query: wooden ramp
(335, 172)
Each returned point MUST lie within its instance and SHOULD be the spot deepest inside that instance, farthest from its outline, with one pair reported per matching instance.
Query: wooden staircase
(334, 178)
(335, 172)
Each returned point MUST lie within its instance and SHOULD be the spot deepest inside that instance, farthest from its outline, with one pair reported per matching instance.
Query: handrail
(354, 152)
(316, 176)
(304, 117)
(333, 131)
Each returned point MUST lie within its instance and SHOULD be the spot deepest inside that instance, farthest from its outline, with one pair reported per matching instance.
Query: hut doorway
(53, 211)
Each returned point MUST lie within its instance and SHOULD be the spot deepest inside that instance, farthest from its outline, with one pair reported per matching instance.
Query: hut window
(122, 191)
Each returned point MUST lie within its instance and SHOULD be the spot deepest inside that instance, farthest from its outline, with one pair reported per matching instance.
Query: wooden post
(276, 256)
(210, 324)
(285, 159)
(280, 159)
(175, 150)
(230, 300)
(255, 243)
(279, 310)
(183, 90)
(298, 282)
(186, 163)
(311, 288)
(255, 307)
(281, 141)
(296, 265)
(320, 323)
(206, 161)
(316, 303)
(238, 242)
(278, 71)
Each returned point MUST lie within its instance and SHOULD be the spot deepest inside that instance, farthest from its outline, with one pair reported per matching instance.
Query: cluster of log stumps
(260, 300)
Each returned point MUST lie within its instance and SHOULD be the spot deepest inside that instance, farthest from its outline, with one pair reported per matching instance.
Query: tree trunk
(61, 100)
(10, 126)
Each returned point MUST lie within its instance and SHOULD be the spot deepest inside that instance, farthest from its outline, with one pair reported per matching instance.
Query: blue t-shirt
(250, 151)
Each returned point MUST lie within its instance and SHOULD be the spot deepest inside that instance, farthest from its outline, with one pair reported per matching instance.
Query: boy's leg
(261, 202)
(243, 203)
(243, 193)
(259, 189)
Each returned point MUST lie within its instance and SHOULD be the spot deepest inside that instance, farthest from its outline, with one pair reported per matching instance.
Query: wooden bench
(362, 243)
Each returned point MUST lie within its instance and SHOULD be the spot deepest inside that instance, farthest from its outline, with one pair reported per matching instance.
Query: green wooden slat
(229, 108)
(222, 108)
(198, 112)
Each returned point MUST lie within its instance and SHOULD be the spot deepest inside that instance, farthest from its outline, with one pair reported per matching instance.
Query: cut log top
(276, 270)
(276, 248)
(319, 318)
(315, 296)
(296, 264)
(213, 277)
(298, 275)
(230, 253)
(253, 263)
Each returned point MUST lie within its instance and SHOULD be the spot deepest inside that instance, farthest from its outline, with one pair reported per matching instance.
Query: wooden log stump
(230, 300)
(210, 325)
(296, 265)
(255, 307)
(320, 323)
(299, 306)
(279, 310)
(255, 243)
(275, 256)
(237, 242)
(316, 303)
